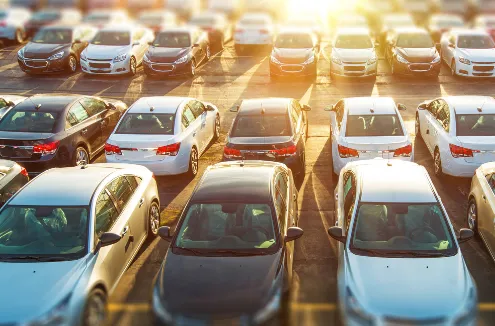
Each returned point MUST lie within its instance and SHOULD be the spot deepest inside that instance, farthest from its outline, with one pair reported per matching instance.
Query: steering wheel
(262, 230)
(411, 234)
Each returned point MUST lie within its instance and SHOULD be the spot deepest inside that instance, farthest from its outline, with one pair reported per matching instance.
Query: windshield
(231, 226)
(353, 42)
(401, 227)
(46, 16)
(29, 121)
(262, 125)
(147, 124)
(373, 125)
(172, 40)
(475, 125)
(415, 41)
(42, 231)
(475, 42)
(112, 38)
(97, 18)
(53, 36)
(294, 41)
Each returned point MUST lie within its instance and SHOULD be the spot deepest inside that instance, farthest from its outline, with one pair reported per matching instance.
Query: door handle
(427, 131)
(484, 198)
(141, 202)
(84, 131)
(194, 133)
(125, 230)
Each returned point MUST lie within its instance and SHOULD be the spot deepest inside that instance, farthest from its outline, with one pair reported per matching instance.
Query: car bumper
(353, 69)
(293, 69)
(475, 70)
(431, 69)
(170, 165)
(292, 162)
(458, 167)
(106, 67)
(340, 162)
(166, 69)
(41, 66)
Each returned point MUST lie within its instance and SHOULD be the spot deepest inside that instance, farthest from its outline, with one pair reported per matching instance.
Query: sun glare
(315, 7)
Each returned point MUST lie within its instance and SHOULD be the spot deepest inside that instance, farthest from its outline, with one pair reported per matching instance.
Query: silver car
(67, 237)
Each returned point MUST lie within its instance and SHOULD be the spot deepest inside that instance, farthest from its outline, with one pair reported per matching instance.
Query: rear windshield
(112, 38)
(353, 42)
(373, 125)
(147, 123)
(262, 125)
(29, 121)
(475, 42)
(416, 40)
(294, 41)
(475, 125)
(172, 40)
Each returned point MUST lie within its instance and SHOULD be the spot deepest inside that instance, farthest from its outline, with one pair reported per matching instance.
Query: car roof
(270, 105)
(236, 181)
(48, 102)
(13, 98)
(470, 104)
(437, 17)
(160, 104)
(384, 181)
(353, 31)
(364, 105)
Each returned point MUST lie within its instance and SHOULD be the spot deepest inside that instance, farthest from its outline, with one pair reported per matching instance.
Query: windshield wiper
(37, 258)
(236, 253)
(193, 251)
(415, 253)
(371, 252)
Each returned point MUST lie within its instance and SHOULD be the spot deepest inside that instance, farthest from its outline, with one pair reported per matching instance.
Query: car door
(102, 114)
(440, 127)
(430, 115)
(191, 127)
(83, 128)
(281, 200)
(336, 117)
(205, 131)
(486, 211)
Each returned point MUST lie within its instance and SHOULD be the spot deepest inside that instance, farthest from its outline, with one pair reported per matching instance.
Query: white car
(486, 22)
(158, 19)
(165, 134)
(469, 53)
(364, 128)
(101, 18)
(460, 7)
(12, 23)
(7, 102)
(441, 23)
(116, 50)
(399, 261)
(353, 54)
(254, 29)
(459, 132)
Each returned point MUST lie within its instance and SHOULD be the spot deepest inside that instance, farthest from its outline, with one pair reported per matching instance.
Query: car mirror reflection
(293, 233)
(108, 238)
(164, 233)
(337, 233)
(465, 235)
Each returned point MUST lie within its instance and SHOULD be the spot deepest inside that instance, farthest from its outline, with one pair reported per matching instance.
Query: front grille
(483, 68)
(354, 62)
(162, 67)
(291, 61)
(482, 74)
(36, 63)
(354, 68)
(16, 151)
(292, 68)
(419, 66)
(107, 60)
(99, 65)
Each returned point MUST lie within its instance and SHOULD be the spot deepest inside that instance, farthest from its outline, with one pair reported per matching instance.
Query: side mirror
(108, 239)
(306, 107)
(77, 41)
(10, 103)
(150, 43)
(164, 233)
(330, 108)
(135, 43)
(293, 233)
(401, 107)
(110, 106)
(209, 108)
(465, 235)
(422, 106)
(235, 108)
(451, 46)
(337, 233)
(195, 45)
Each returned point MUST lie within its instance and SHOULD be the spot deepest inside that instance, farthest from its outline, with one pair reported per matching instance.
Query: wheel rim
(217, 127)
(416, 126)
(154, 218)
(208, 53)
(95, 310)
(133, 66)
(194, 162)
(453, 69)
(472, 216)
(81, 157)
(438, 163)
(72, 64)
(193, 68)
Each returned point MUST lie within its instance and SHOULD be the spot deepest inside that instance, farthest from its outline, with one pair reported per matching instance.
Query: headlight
(158, 307)
(371, 61)
(56, 56)
(469, 312)
(311, 59)
(355, 311)
(401, 59)
(464, 61)
(20, 54)
(337, 61)
(270, 309)
(275, 60)
(437, 59)
(83, 57)
(182, 59)
(56, 316)
(120, 57)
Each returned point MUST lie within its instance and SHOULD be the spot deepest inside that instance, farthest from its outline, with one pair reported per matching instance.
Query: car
(458, 132)
(166, 134)
(12, 178)
(460, 7)
(349, 20)
(469, 53)
(236, 232)
(78, 240)
(185, 9)
(270, 129)
(101, 18)
(486, 22)
(158, 20)
(116, 50)
(7, 102)
(308, 22)
(55, 48)
(441, 23)
(28, 4)
(411, 51)
(51, 16)
(230, 8)
(363, 128)
(295, 53)
(419, 8)
(353, 54)
(216, 25)
(393, 231)
(253, 29)
(392, 22)
(12, 22)
(177, 52)
(46, 131)
(483, 6)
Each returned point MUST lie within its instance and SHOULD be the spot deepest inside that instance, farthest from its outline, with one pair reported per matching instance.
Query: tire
(72, 65)
(392, 68)
(472, 216)
(80, 155)
(192, 69)
(453, 69)
(417, 127)
(132, 67)
(216, 128)
(95, 311)
(153, 219)
(437, 163)
(193, 163)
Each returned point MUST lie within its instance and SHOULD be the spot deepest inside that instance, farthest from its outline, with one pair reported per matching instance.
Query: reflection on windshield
(475, 125)
(475, 42)
(97, 18)
(263, 125)
(373, 125)
(415, 41)
(230, 226)
(29, 121)
(147, 123)
(53, 36)
(43, 231)
(353, 42)
(172, 40)
(408, 228)
(294, 41)
(112, 38)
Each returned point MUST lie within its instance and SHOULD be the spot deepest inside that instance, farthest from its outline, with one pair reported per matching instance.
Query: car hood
(292, 55)
(36, 288)
(402, 282)
(166, 55)
(478, 55)
(42, 51)
(192, 285)
(416, 55)
(106, 52)
(354, 55)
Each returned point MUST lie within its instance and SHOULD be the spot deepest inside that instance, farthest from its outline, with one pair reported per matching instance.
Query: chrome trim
(27, 59)
(171, 65)
(13, 146)
(301, 68)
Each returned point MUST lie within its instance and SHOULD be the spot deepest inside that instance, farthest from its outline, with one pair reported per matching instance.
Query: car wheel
(81, 156)
(417, 127)
(193, 163)
(208, 53)
(216, 133)
(95, 308)
(453, 69)
(19, 37)
(132, 66)
(192, 69)
(437, 163)
(154, 219)
(72, 64)
(472, 216)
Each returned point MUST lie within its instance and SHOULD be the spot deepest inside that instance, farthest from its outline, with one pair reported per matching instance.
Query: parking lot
(226, 80)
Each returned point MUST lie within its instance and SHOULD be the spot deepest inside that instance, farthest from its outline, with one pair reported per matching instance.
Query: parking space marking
(9, 66)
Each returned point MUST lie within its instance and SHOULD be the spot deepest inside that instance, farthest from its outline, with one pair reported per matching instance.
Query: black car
(47, 131)
(12, 178)
(216, 25)
(272, 129)
(55, 49)
(51, 16)
(231, 258)
(295, 53)
(412, 52)
(177, 51)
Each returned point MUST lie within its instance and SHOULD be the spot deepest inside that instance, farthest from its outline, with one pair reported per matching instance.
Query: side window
(197, 108)
(3, 103)
(121, 191)
(93, 106)
(188, 115)
(349, 198)
(443, 116)
(339, 112)
(133, 181)
(491, 181)
(280, 190)
(433, 107)
(77, 114)
(106, 213)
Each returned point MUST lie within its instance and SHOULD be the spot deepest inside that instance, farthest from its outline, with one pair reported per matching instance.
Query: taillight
(285, 151)
(24, 172)
(170, 150)
(405, 151)
(458, 151)
(231, 153)
(346, 152)
(112, 149)
(46, 149)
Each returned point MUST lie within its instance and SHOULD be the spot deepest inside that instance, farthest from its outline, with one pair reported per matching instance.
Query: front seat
(372, 223)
